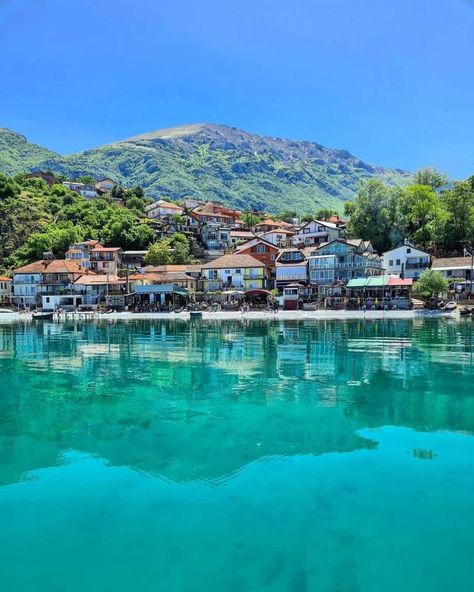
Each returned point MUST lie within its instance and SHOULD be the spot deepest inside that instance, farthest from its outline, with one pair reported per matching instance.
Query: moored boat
(43, 315)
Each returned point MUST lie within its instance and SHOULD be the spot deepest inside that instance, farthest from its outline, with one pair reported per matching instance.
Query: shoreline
(290, 315)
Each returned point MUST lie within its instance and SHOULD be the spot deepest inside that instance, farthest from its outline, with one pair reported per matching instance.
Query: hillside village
(237, 257)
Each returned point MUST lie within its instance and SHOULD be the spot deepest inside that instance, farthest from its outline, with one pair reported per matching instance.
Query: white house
(291, 266)
(163, 209)
(87, 191)
(316, 232)
(27, 283)
(454, 268)
(279, 237)
(406, 261)
(242, 272)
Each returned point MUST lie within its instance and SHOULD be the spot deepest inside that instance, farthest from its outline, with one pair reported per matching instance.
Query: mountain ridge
(215, 162)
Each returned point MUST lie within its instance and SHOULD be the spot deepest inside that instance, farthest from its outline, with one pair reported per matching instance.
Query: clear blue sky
(393, 82)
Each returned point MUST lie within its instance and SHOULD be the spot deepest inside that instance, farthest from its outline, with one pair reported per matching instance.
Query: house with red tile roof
(237, 271)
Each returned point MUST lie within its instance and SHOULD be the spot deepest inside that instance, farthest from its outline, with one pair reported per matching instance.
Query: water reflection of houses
(137, 393)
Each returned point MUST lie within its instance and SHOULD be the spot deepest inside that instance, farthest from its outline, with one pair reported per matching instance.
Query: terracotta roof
(161, 203)
(4, 278)
(98, 280)
(233, 261)
(65, 266)
(452, 262)
(108, 249)
(255, 241)
(35, 267)
(162, 277)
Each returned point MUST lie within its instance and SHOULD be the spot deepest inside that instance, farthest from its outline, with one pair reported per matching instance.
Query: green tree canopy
(372, 214)
(430, 284)
(430, 177)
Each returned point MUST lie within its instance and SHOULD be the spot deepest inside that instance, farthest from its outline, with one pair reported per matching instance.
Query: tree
(179, 245)
(287, 215)
(372, 214)
(87, 179)
(458, 229)
(158, 254)
(420, 214)
(325, 213)
(430, 284)
(430, 177)
(8, 187)
(250, 219)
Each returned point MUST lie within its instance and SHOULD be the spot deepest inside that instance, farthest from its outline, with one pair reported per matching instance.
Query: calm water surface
(237, 456)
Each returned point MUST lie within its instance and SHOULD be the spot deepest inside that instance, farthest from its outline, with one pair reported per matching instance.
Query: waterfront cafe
(159, 297)
(379, 291)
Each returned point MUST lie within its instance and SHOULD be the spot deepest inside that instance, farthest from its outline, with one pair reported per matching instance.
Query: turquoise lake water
(237, 456)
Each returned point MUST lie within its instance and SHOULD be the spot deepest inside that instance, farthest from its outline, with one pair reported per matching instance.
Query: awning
(161, 289)
(256, 291)
(232, 292)
(379, 281)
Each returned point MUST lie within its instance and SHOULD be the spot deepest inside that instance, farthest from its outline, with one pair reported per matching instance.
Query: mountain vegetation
(35, 218)
(213, 162)
(430, 213)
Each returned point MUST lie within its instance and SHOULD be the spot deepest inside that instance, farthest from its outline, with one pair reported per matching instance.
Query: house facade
(105, 185)
(406, 261)
(455, 268)
(26, 283)
(105, 259)
(87, 191)
(261, 249)
(241, 272)
(316, 232)
(342, 260)
(280, 237)
(163, 209)
(5, 289)
(291, 267)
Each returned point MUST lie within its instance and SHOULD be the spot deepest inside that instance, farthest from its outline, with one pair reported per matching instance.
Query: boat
(466, 311)
(450, 306)
(6, 311)
(43, 315)
(195, 314)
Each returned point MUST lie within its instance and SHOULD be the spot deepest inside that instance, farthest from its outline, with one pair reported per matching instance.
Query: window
(390, 263)
(227, 271)
(260, 249)
(398, 261)
(238, 271)
(272, 257)
(408, 250)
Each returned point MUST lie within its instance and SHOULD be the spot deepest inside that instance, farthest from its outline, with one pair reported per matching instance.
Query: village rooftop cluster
(301, 265)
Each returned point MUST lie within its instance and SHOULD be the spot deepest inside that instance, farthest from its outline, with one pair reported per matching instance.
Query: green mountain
(216, 162)
(17, 154)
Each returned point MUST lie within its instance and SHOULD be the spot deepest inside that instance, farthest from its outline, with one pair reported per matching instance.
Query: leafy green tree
(250, 219)
(420, 214)
(136, 204)
(430, 177)
(430, 284)
(8, 187)
(325, 213)
(87, 179)
(158, 254)
(372, 214)
(56, 239)
(287, 215)
(458, 228)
